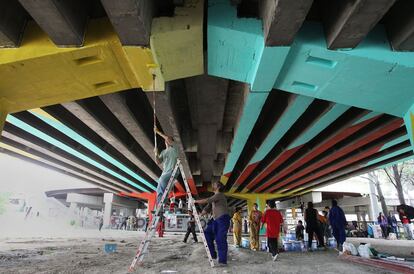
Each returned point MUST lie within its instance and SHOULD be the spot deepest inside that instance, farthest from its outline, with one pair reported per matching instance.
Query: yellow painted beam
(19, 151)
(39, 74)
(252, 198)
(177, 42)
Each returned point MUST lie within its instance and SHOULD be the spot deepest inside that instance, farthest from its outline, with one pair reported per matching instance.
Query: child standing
(299, 231)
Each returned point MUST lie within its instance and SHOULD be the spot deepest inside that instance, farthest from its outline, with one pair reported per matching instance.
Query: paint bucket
(110, 248)
(245, 243)
(314, 245)
(331, 242)
(288, 246)
(290, 237)
(297, 246)
(263, 245)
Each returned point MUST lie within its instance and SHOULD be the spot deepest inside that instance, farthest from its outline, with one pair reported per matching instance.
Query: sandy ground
(83, 253)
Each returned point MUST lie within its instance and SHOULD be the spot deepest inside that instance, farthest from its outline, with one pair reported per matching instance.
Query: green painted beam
(26, 127)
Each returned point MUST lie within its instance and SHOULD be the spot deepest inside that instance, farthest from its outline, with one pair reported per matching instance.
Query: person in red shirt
(273, 220)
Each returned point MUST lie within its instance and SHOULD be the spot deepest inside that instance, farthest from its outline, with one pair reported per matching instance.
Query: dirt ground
(84, 254)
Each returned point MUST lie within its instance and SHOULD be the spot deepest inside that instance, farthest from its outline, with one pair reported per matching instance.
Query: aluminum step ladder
(143, 247)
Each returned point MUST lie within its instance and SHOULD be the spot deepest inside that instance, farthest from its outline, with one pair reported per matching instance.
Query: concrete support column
(108, 198)
(373, 206)
(73, 207)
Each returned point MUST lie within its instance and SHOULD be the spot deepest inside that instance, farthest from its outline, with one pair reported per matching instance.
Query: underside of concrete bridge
(267, 96)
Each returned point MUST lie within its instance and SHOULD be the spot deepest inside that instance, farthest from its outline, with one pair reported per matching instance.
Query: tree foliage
(401, 176)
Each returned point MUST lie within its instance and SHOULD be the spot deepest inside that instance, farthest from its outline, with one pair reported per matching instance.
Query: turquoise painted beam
(407, 149)
(252, 107)
(236, 48)
(370, 115)
(371, 76)
(293, 112)
(395, 141)
(408, 121)
(333, 114)
(26, 127)
(92, 147)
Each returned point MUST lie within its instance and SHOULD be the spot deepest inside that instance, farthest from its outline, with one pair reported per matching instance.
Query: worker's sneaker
(220, 265)
(275, 257)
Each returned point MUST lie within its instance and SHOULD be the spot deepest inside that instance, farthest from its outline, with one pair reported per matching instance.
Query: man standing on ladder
(168, 158)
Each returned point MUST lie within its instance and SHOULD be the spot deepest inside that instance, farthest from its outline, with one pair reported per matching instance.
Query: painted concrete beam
(13, 20)
(398, 158)
(63, 21)
(100, 67)
(349, 169)
(400, 26)
(236, 48)
(251, 111)
(177, 42)
(369, 72)
(52, 153)
(347, 22)
(282, 20)
(118, 105)
(108, 136)
(53, 158)
(4, 148)
(166, 117)
(409, 124)
(131, 20)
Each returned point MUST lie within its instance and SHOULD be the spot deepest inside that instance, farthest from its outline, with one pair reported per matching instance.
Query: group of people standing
(271, 217)
(333, 220)
(389, 223)
(254, 220)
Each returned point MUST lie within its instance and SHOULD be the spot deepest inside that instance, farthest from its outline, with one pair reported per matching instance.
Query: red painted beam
(317, 150)
(342, 152)
(192, 186)
(329, 170)
(246, 172)
(179, 187)
(277, 162)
